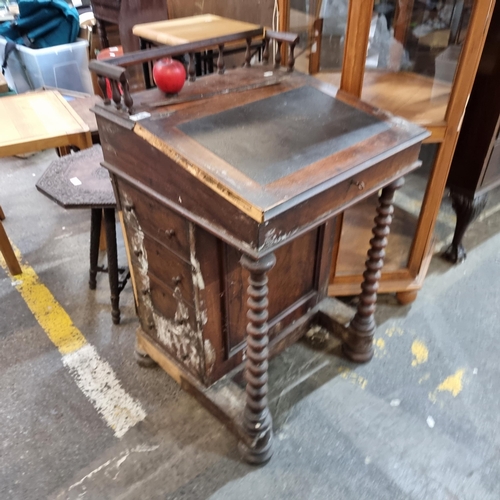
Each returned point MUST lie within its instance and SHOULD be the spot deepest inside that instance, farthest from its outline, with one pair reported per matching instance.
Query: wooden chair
(6, 249)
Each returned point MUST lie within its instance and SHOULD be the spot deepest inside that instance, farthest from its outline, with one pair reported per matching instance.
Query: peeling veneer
(175, 334)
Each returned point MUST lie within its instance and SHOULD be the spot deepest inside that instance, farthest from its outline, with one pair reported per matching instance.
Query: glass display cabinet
(416, 59)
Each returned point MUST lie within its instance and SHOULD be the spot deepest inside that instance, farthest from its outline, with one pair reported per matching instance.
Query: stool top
(78, 181)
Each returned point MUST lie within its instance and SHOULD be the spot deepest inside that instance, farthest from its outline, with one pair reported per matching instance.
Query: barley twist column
(358, 343)
(256, 448)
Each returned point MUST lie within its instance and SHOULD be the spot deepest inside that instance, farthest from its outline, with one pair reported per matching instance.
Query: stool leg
(95, 232)
(109, 220)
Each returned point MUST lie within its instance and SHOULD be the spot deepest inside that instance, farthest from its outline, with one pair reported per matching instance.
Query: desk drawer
(338, 197)
(157, 221)
(168, 269)
(172, 307)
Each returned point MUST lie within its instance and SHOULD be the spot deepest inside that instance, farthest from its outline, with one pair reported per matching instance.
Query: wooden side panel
(160, 222)
(291, 280)
(168, 309)
(208, 254)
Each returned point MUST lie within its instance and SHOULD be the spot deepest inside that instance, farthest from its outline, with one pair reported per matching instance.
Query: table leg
(110, 222)
(210, 61)
(8, 253)
(146, 68)
(358, 344)
(256, 448)
(103, 36)
(95, 233)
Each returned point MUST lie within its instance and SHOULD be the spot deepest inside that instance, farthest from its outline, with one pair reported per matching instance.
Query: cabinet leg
(256, 448)
(142, 357)
(467, 210)
(358, 343)
(405, 298)
(2, 215)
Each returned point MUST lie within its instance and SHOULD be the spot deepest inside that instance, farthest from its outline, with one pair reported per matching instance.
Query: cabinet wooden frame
(409, 279)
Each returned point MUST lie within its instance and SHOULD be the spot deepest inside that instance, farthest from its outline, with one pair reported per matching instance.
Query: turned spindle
(104, 88)
(248, 53)
(291, 58)
(127, 97)
(115, 91)
(265, 53)
(358, 342)
(221, 65)
(256, 448)
(192, 67)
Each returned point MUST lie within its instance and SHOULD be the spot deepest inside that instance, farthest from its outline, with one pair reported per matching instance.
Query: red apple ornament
(169, 75)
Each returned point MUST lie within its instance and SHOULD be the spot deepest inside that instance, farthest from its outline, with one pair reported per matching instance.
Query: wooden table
(230, 204)
(39, 120)
(32, 122)
(190, 29)
(193, 29)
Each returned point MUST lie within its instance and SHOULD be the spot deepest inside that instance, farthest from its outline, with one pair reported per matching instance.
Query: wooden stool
(79, 181)
(6, 249)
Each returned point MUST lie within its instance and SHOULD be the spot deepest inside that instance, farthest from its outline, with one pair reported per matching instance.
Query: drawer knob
(177, 279)
(170, 233)
(360, 184)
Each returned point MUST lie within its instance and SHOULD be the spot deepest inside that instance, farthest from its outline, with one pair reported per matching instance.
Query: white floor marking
(98, 382)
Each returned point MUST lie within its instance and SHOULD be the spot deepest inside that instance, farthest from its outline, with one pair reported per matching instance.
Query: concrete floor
(419, 422)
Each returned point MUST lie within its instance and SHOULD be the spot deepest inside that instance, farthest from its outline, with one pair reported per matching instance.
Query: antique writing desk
(229, 205)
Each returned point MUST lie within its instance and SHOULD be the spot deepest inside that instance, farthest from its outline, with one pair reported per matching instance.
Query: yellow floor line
(48, 312)
(94, 376)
